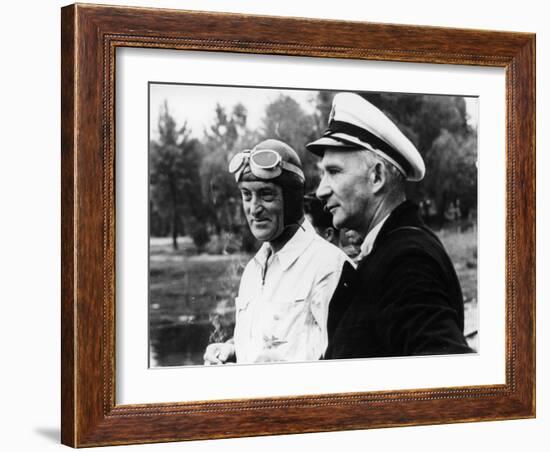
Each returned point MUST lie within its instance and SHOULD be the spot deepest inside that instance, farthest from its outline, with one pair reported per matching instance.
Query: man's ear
(377, 177)
(328, 234)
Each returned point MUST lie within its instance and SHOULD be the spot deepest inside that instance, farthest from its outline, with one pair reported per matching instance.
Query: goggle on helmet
(264, 164)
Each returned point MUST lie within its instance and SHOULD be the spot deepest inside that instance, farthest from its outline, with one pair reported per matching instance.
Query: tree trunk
(174, 230)
(174, 216)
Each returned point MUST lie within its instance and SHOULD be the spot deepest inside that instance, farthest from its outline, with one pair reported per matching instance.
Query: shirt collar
(292, 249)
(368, 243)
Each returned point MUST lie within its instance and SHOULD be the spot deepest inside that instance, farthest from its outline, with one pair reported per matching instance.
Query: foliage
(200, 236)
(452, 161)
(193, 194)
(174, 178)
(285, 120)
(438, 127)
(227, 136)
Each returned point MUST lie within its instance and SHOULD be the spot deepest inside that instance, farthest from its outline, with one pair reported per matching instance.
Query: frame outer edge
(526, 195)
(89, 253)
(87, 420)
(521, 238)
(68, 242)
(534, 225)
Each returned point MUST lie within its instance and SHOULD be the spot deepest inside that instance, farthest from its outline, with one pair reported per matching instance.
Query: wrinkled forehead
(348, 158)
(254, 186)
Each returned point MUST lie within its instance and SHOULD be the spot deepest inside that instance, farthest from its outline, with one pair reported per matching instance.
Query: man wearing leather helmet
(285, 289)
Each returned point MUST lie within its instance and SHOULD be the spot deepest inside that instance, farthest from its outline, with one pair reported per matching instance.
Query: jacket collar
(368, 242)
(405, 214)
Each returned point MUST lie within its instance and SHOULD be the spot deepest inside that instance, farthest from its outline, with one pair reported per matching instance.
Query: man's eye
(246, 196)
(265, 193)
(268, 197)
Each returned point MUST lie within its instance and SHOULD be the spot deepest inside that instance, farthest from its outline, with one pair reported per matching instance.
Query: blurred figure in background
(320, 219)
(347, 240)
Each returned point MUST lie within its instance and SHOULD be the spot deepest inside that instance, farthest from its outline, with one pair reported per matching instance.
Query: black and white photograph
(292, 225)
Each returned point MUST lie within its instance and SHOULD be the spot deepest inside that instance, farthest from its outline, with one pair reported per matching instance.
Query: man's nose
(255, 205)
(323, 190)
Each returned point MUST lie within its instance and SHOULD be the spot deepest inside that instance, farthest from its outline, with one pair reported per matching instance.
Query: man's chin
(267, 234)
(261, 234)
(338, 222)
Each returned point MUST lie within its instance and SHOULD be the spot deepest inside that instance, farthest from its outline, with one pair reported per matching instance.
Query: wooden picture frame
(90, 36)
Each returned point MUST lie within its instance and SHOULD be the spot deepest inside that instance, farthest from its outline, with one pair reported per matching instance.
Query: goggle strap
(292, 168)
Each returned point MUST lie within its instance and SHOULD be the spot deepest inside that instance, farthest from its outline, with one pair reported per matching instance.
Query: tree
(226, 136)
(438, 127)
(323, 106)
(285, 120)
(174, 176)
(452, 160)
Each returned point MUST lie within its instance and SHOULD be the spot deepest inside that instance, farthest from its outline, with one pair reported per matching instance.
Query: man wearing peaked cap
(406, 299)
(354, 123)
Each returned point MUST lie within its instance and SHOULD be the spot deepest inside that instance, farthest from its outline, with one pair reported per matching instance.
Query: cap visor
(317, 147)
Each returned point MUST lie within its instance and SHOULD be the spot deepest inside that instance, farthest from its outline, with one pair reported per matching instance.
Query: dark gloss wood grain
(90, 35)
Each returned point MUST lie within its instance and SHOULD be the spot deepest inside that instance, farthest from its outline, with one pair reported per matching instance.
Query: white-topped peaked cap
(355, 123)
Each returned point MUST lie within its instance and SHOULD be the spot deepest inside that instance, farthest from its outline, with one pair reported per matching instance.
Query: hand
(219, 353)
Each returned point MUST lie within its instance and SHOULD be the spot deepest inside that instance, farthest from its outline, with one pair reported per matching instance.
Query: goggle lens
(237, 162)
(263, 163)
(265, 158)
